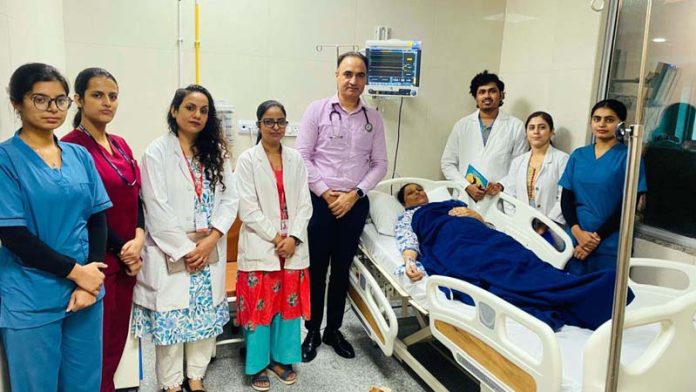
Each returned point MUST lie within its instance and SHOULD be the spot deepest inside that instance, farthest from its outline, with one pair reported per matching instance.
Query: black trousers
(332, 242)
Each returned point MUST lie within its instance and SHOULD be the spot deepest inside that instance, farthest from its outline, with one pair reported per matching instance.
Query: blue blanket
(467, 249)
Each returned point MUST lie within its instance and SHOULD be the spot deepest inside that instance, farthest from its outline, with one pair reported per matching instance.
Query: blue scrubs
(54, 205)
(598, 185)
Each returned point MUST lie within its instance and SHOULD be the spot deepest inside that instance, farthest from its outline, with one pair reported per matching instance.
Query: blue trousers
(279, 341)
(65, 355)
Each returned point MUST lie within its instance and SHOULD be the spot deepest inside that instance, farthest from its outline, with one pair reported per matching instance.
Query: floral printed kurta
(202, 319)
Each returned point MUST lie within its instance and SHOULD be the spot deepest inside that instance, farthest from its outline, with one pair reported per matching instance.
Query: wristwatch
(360, 193)
(297, 240)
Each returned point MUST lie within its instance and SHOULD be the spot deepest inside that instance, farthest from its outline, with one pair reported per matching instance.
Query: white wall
(550, 61)
(255, 50)
(30, 31)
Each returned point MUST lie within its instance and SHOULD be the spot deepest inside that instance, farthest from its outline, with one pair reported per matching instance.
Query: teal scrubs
(598, 185)
(54, 205)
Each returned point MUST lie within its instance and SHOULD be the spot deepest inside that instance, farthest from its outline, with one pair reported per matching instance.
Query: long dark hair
(209, 148)
(81, 83)
(263, 107)
(24, 78)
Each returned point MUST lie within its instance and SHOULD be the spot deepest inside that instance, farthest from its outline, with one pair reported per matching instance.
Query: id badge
(200, 219)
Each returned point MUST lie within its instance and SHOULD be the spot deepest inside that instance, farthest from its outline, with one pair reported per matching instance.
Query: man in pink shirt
(342, 143)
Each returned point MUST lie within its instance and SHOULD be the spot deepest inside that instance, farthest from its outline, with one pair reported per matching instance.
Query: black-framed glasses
(43, 102)
(269, 122)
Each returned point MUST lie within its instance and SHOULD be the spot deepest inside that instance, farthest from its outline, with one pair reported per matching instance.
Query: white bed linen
(571, 339)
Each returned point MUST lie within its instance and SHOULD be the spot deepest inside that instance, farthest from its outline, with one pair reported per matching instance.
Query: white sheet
(571, 339)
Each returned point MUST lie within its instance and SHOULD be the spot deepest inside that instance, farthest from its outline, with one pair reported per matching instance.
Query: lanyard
(197, 185)
(120, 151)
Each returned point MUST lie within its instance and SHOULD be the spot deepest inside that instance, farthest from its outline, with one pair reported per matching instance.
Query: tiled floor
(328, 371)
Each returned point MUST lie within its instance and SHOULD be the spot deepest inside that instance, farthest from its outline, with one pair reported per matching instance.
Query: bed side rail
(666, 363)
(372, 307)
(661, 280)
(479, 342)
(517, 223)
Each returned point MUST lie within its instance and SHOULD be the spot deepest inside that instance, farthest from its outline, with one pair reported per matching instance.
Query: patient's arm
(466, 213)
(407, 242)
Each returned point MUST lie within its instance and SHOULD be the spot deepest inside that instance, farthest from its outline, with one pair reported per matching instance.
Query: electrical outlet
(247, 127)
(292, 130)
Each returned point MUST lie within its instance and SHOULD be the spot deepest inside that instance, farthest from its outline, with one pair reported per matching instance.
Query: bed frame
(477, 339)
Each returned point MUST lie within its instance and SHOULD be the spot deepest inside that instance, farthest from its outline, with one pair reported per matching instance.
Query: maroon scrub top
(122, 218)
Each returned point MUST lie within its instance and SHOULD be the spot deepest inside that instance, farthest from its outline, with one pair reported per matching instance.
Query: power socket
(247, 127)
(292, 130)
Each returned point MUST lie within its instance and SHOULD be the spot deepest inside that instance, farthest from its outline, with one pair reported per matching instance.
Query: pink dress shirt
(339, 152)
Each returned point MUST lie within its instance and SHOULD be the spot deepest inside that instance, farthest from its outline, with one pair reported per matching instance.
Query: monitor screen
(394, 67)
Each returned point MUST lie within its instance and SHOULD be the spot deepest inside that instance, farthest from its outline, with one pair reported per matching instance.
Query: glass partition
(669, 109)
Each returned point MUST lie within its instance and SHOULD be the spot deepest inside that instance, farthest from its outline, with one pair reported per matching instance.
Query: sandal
(187, 387)
(260, 381)
(287, 376)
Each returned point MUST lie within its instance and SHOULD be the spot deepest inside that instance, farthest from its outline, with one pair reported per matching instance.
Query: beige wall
(259, 49)
(30, 31)
(550, 61)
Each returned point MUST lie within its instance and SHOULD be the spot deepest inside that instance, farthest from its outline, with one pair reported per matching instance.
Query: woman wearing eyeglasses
(273, 280)
(96, 96)
(190, 203)
(53, 233)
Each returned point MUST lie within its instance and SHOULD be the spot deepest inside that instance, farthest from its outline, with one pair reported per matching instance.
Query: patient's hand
(413, 273)
(465, 213)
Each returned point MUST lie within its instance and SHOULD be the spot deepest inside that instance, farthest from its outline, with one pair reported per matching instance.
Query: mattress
(571, 340)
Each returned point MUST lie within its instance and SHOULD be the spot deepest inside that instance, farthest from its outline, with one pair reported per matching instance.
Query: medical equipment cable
(398, 138)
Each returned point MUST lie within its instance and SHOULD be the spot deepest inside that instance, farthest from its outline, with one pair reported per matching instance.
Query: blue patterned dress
(202, 319)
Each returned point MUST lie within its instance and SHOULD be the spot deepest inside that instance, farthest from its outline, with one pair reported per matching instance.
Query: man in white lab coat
(487, 139)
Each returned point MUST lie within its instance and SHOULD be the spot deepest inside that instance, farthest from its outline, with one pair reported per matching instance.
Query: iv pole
(634, 136)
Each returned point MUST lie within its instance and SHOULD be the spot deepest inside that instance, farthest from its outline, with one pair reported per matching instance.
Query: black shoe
(336, 340)
(310, 344)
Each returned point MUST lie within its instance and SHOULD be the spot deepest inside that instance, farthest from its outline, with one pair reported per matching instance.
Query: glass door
(667, 109)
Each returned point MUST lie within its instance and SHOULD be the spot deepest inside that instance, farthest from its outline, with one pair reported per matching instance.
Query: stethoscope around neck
(368, 125)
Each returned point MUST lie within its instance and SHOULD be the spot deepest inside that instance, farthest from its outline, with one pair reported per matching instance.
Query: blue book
(475, 177)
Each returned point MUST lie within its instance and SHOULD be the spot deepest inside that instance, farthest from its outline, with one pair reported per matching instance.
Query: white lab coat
(465, 146)
(168, 196)
(547, 192)
(259, 209)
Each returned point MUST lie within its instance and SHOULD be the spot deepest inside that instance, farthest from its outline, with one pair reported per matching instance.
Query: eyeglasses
(282, 123)
(43, 102)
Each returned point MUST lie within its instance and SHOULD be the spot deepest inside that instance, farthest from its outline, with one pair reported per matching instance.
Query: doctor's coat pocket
(153, 265)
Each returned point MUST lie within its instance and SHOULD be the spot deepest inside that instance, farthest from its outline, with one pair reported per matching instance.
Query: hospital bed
(500, 345)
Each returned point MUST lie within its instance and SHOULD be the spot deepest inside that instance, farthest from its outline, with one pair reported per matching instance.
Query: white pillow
(438, 194)
(384, 209)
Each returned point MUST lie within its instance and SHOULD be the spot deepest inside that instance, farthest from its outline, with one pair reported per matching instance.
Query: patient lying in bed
(452, 240)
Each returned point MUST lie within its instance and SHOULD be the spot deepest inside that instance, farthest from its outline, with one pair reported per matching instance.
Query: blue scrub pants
(65, 355)
(279, 341)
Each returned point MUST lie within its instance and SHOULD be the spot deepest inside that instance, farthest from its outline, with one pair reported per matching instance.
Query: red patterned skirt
(263, 294)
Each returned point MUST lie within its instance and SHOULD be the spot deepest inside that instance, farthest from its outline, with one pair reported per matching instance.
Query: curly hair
(210, 148)
(482, 79)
